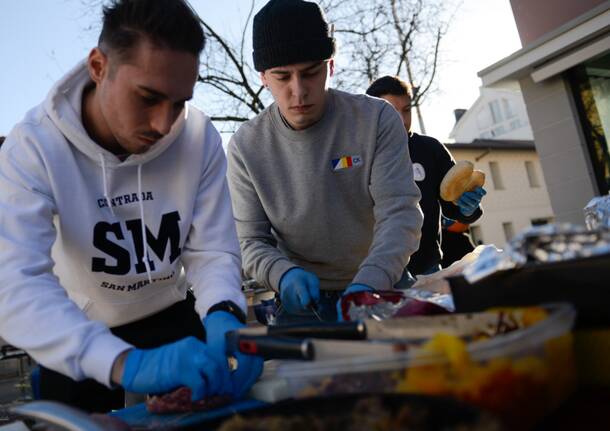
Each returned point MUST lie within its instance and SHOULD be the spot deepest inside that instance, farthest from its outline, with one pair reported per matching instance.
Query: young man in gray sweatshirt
(322, 183)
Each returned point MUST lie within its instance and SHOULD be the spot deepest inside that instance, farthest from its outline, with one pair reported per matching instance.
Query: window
(496, 114)
(509, 231)
(515, 124)
(497, 131)
(532, 176)
(540, 221)
(591, 85)
(496, 179)
(475, 233)
(508, 108)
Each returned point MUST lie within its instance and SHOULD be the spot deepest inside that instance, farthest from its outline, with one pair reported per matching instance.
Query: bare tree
(228, 83)
(375, 37)
(227, 70)
(397, 37)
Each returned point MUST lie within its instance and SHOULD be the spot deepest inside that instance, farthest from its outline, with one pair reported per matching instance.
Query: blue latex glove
(469, 201)
(298, 290)
(406, 280)
(446, 222)
(187, 362)
(352, 288)
(249, 367)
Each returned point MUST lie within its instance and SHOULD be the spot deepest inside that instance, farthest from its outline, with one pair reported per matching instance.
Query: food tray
(583, 282)
(519, 376)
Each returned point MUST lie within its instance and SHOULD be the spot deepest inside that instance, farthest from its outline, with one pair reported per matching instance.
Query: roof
(493, 144)
(565, 40)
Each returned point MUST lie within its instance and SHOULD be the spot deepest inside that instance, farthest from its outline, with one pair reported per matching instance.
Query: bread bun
(476, 180)
(459, 179)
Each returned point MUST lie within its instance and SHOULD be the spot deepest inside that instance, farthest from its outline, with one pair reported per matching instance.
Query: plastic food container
(520, 376)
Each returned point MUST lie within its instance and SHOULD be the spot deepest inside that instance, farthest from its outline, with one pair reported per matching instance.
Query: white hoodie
(72, 253)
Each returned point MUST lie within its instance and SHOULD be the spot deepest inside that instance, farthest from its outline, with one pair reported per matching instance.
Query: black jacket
(431, 161)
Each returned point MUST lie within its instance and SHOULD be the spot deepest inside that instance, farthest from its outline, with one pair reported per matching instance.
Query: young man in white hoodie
(108, 190)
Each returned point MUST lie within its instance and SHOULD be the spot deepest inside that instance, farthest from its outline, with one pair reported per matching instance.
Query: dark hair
(167, 23)
(2, 138)
(389, 85)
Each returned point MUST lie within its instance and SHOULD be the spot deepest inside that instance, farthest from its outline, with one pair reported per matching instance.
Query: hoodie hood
(63, 105)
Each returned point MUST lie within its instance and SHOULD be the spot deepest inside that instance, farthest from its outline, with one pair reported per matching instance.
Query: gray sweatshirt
(337, 199)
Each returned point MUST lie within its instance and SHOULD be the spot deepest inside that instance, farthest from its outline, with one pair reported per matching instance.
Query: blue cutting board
(138, 417)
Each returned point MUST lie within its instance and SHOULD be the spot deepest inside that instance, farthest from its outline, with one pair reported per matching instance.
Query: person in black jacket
(431, 161)
(456, 241)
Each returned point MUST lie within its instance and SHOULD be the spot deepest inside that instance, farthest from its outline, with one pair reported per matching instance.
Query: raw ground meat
(179, 401)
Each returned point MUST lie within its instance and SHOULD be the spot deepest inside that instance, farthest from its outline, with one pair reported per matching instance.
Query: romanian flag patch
(346, 162)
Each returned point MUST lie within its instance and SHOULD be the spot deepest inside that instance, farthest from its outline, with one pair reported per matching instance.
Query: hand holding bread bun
(459, 179)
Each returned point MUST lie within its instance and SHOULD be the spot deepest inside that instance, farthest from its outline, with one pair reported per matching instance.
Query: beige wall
(561, 147)
(518, 203)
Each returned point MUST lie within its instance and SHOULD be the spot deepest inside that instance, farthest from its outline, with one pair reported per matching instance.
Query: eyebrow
(161, 95)
(307, 69)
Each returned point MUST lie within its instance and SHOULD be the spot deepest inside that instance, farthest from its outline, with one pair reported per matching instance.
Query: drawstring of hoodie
(144, 242)
(140, 200)
(106, 184)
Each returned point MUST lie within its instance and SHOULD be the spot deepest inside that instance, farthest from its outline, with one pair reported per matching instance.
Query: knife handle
(329, 330)
(270, 347)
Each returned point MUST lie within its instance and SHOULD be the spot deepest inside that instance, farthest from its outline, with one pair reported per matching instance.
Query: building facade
(563, 71)
(494, 134)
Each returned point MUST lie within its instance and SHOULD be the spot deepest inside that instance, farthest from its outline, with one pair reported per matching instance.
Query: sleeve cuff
(208, 299)
(278, 269)
(471, 218)
(98, 359)
(373, 277)
(231, 308)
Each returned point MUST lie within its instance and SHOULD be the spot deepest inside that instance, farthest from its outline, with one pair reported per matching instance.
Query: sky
(40, 40)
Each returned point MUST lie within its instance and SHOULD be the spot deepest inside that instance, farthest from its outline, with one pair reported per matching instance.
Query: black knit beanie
(290, 31)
